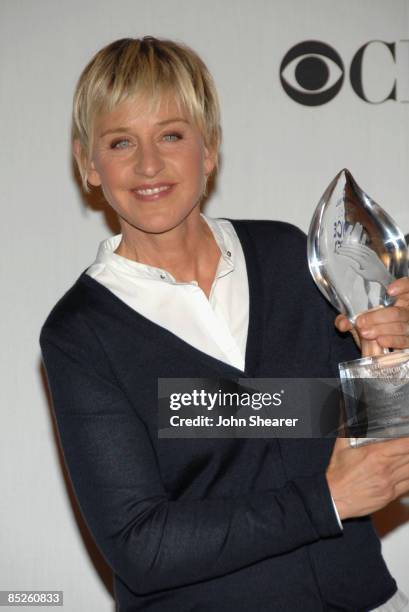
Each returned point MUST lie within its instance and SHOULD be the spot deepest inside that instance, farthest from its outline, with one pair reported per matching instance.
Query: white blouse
(217, 326)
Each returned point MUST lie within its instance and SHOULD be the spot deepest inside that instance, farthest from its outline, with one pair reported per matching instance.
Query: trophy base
(376, 397)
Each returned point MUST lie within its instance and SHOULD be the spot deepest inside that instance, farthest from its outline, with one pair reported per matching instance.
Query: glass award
(355, 250)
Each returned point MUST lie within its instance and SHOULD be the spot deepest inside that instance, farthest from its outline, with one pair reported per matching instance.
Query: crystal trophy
(355, 250)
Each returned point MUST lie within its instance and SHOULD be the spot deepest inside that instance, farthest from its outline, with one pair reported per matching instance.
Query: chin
(157, 224)
(160, 222)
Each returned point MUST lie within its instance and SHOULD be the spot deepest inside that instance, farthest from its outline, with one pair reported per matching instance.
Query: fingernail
(392, 290)
(367, 333)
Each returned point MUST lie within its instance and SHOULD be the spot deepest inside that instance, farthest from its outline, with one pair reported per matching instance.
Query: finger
(345, 326)
(386, 329)
(398, 463)
(393, 342)
(403, 304)
(349, 249)
(342, 323)
(402, 301)
(348, 232)
(352, 256)
(399, 286)
(358, 249)
(370, 348)
(400, 475)
(401, 488)
(379, 316)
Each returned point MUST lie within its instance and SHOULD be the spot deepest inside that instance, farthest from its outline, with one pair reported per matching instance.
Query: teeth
(152, 191)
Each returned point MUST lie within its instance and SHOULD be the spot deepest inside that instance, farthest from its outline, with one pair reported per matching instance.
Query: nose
(148, 161)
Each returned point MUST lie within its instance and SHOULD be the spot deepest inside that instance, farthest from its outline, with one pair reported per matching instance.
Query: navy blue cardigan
(208, 524)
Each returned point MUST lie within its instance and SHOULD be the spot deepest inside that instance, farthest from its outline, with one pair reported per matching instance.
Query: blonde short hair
(148, 67)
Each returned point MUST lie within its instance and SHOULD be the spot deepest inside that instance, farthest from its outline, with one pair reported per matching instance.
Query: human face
(151, 165)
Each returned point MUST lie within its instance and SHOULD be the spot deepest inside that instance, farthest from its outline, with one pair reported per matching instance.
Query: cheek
(193, 163)
(111, 172)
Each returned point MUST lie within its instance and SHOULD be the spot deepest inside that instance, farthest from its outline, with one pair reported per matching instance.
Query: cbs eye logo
(312, 73)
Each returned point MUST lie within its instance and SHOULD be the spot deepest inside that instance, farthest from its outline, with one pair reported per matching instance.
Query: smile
(153, 190)
(149, 194)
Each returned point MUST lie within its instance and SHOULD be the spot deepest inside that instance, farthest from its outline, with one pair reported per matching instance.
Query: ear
(210, 156)
(82, 161)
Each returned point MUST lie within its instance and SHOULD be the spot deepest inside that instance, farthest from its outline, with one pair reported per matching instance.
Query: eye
(312, 73)
(172, 137)
(121, 143)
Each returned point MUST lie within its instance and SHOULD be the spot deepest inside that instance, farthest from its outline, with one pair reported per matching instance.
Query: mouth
(155, 192)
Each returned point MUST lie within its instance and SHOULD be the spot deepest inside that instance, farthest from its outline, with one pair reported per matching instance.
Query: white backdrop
(278, 156)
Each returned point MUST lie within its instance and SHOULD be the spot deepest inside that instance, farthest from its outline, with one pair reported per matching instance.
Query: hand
(388, 327)
(365, 479)
(366, 263)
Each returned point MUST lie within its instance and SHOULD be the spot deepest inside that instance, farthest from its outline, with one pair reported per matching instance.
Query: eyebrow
(127, 129)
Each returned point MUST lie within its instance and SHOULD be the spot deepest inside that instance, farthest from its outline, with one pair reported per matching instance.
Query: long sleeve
(152, 542)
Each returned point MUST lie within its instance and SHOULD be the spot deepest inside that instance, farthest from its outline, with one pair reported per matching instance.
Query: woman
(203, 524)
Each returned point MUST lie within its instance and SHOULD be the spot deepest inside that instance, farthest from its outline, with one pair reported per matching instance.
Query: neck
(188, 251)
